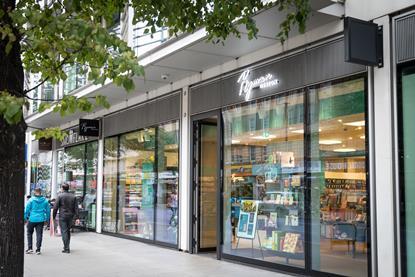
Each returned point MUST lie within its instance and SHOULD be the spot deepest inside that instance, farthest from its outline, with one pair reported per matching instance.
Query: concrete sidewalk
(105, 256)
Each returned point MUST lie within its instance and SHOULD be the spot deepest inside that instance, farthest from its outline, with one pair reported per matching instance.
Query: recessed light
(262, 137)
(356, 123)
(344, 150)
(251, 134)
(234, 141)
(339, 120)
(350, 138)
(299, 131)
(330, 142)
(363, 137)
(320, 130)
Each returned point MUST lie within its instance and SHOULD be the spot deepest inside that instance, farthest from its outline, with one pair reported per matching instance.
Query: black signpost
(89, 127)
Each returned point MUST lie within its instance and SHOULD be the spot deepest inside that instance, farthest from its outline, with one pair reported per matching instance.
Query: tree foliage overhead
(56, 33)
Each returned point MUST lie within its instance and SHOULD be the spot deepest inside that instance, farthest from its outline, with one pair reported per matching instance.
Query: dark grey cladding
(310, 66)
(405, 38)
(142, 116)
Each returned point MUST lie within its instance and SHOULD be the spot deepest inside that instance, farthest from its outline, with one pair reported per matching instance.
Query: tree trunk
(12, 162)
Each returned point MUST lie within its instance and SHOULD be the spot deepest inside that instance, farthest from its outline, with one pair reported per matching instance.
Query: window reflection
(136, 183)
(141, 177)
(168, 181)
(264, 180)
(74, 158)
(109, 192)
(338, 183)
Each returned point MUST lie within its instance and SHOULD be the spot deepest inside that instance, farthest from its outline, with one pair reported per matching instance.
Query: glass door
(207, 186)
(205, 183)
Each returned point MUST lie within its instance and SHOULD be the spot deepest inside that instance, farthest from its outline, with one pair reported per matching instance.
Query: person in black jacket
(67, 205)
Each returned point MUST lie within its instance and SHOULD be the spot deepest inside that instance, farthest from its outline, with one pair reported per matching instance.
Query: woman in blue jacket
(36, 213)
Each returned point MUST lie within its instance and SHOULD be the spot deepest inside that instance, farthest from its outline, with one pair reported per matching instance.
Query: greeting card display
(247, 219)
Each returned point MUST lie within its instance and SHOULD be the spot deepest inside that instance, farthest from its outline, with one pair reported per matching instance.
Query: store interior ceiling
(345, 134)
(195, 58)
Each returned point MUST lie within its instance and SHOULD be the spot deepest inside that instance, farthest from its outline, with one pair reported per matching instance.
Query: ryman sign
(246, 85)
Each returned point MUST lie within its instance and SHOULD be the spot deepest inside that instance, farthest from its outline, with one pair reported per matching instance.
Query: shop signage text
(246, 85)
(89, 127)
(45, 144)
(72, 138)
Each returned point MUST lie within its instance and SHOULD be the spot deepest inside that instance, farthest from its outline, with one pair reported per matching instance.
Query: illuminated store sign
(246, 86)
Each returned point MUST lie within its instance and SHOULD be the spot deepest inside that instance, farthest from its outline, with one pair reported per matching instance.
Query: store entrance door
(205, 184)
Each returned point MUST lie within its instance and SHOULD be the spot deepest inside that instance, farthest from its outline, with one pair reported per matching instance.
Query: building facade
(280, 156)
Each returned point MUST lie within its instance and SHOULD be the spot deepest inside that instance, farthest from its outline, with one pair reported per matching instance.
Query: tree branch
(26, 91)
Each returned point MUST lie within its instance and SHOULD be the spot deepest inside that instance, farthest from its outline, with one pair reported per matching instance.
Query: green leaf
(8, 48)
(44, 106)
(13, 112)
(128, 84)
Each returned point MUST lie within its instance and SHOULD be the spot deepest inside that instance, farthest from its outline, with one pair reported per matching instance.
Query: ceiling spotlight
(330, 142)
(262, 137)
(344, 150)
(299, 131)
(356, 123)
(234, 141)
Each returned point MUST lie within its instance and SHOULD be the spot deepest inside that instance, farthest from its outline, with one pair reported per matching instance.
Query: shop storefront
(77, 166)
(41, 170)
(289, 181)
(41, 167)
(141, 172)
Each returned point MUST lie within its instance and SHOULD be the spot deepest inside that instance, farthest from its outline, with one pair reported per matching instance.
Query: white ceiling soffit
(336, 9)
(186, 56)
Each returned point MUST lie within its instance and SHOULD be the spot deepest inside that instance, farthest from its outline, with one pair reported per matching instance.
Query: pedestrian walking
(67, 205)
(37, 212)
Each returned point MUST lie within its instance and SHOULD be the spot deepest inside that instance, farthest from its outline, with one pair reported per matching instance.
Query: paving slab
(107, 256)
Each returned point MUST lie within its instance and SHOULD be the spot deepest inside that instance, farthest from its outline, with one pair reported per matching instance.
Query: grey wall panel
(327, 62)
(166, 109)
(205, 98)
(145, 115)
(405, 38)
(307, 67)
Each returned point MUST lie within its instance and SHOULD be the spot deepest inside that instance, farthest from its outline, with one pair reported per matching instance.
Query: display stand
(252, 245)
